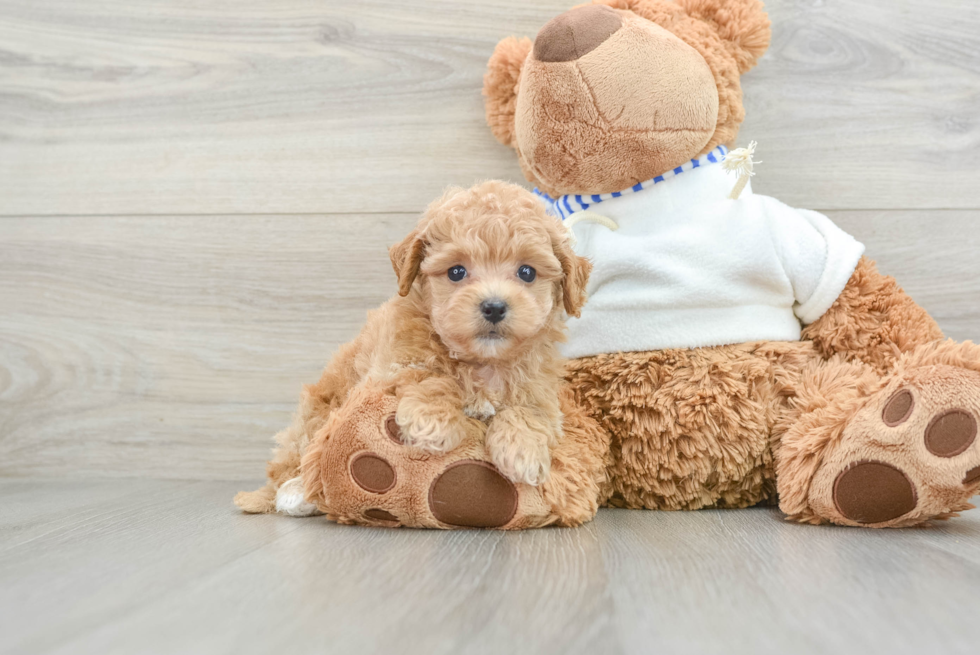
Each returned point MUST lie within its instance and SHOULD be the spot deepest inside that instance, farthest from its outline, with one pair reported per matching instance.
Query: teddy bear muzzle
(576, 33)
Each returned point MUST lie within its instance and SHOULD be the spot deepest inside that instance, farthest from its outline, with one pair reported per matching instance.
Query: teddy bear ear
(500, 86)
(742, 24)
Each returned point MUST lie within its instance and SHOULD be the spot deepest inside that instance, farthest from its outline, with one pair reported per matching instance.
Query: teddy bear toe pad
(372, 473)
(909, 455)
(951, 433)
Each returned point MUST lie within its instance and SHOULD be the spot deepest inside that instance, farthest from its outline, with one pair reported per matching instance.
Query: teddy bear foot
(910, 454)
(359, 470)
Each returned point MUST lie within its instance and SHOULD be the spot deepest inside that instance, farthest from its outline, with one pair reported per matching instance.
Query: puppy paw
(426, 430)
(520, 464)
(291, 501)
(481, 410)
(519, 454)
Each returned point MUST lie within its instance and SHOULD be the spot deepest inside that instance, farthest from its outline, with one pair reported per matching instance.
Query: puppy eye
(527, 273)
(457, 273)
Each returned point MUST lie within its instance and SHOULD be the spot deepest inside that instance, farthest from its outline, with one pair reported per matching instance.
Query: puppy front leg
(430, 414)
(518, 440)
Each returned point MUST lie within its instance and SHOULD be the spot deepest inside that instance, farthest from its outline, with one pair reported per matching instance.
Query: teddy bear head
(620, 91)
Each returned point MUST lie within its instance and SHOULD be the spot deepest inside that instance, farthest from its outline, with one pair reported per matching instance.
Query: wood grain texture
(171, 567)
(176, 347)
(303, 106)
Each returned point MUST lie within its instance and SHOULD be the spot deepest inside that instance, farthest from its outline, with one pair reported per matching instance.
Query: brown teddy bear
(695, 383)
(736, 351)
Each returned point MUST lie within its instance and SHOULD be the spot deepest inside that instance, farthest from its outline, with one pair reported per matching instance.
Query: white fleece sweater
(689, 268)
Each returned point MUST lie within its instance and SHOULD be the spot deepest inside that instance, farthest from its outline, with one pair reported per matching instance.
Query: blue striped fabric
(565, 206)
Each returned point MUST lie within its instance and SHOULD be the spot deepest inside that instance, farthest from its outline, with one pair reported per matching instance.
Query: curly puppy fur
(448, 367)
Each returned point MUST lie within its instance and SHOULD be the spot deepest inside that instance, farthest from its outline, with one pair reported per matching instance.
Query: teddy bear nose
(576, 33)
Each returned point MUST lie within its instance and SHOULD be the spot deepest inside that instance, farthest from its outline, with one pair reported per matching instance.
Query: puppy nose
(576, 33)
(493, 310)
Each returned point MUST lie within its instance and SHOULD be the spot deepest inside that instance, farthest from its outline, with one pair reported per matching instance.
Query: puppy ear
(500, 86)
(406, 258)
(742, 24)
(575, 276)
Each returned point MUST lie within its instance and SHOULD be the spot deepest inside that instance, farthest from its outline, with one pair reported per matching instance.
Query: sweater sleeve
(818, 258)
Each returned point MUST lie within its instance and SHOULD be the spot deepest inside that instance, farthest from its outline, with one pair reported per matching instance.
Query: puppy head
(494, 269)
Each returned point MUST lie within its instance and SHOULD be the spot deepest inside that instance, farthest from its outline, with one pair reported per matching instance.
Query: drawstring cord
(590, 217)
(740, 161)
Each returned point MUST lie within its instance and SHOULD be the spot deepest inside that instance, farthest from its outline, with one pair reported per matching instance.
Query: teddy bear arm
(873, 320)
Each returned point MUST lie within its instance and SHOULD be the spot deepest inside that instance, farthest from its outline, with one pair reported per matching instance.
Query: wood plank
(298, 106)
(744, 581)
(73, 554)
(867, 105)
(176, 347)
(181, 562)
(128, 566)
(124, 339)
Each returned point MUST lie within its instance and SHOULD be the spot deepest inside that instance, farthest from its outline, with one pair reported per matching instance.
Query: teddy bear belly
(692, 428)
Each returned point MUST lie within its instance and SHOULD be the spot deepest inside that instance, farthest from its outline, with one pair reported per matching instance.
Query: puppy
(484, 283)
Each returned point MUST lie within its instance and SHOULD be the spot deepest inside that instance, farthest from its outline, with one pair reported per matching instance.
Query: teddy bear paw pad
(950, 433)
(372, 473)
(393, 431)
(873, 492)
(473, 494)
(908, 456)
(899, 408)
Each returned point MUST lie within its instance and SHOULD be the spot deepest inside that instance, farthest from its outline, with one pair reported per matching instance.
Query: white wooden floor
(195, 204)
(169, 567)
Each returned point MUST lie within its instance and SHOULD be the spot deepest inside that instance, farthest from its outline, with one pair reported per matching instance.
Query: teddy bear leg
(358, 470)
(892, 451)
(873, 321)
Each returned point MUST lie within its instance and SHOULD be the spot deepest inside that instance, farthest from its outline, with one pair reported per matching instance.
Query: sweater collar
(565, 206)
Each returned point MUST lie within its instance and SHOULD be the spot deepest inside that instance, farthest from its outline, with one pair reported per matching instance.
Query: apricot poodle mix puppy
(467, 346)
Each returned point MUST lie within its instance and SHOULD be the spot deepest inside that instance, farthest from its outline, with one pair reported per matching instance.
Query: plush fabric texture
(595, 125)
(690, 428)
(576, 33)
(662, 89)
(500, 86)
(731, 35)
(842, 427)
(459, 489)
(854, 325)
(864, 417)
(689, 268)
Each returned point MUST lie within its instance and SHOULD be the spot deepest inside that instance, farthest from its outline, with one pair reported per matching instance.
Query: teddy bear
(735, 351)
